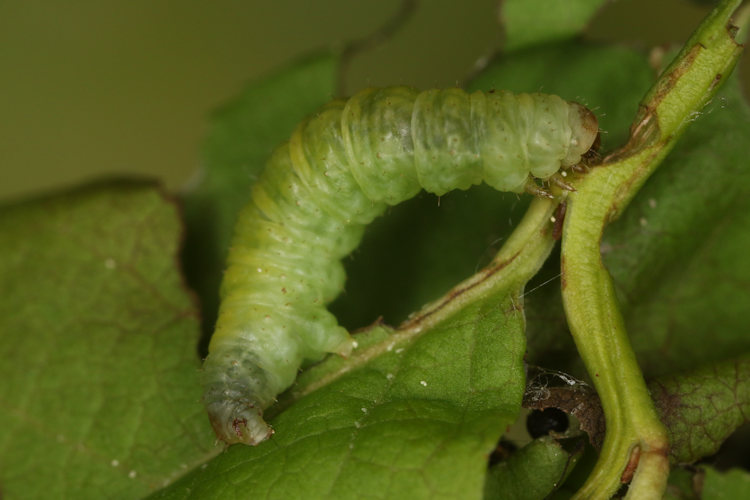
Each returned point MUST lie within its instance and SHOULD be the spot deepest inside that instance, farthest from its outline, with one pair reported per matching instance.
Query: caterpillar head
(585, 135)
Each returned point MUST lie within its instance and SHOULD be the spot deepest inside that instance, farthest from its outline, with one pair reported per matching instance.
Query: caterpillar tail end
(238, 421)
(237, 391)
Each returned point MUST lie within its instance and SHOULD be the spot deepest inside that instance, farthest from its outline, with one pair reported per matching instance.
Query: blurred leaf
(708, 483)
(702, 408)
(100, 380)
(531, 473)
(415, 418)
(531, 22)
(730, 485)
(681, 485)
(244, 133)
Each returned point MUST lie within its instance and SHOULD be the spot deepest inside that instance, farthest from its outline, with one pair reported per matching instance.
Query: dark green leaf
(100, 393)
(702, 408)
(730, 485)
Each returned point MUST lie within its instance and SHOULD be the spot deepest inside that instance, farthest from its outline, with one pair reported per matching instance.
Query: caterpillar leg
(533, 188)
(559, 180)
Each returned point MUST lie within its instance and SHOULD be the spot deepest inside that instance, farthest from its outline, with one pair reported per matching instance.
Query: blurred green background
(90, 89)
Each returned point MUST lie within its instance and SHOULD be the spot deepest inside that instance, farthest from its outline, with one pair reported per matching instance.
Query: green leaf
(708, 483)
(244, 133)
(702, 408)
(100, 380)
(531, 473)
(531, 22)
(730, 485)
(411, 414)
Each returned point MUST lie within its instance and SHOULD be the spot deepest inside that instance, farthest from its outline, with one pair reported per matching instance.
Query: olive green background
(92, 89)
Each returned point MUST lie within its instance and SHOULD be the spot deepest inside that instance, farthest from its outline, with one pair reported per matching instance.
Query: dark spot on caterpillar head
(542, 422)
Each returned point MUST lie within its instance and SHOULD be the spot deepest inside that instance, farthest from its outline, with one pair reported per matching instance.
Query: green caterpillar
(340, 170)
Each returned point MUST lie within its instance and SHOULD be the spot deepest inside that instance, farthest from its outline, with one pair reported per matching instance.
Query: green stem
(599, 332)
(636, 443)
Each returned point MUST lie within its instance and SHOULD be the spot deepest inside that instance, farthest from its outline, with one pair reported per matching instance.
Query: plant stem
(599, 333)
(636, 444)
